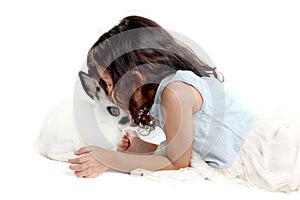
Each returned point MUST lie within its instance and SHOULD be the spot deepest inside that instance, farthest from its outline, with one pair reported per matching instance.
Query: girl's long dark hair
(139, 46)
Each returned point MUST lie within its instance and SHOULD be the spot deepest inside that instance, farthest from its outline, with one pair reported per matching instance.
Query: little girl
(159, 81)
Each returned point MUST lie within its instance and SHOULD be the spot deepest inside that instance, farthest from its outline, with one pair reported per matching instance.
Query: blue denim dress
(220, 126)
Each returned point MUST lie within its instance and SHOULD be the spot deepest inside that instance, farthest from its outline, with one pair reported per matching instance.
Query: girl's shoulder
(185, 94)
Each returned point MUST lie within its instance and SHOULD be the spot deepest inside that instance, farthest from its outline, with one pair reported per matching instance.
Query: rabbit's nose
(124, 120)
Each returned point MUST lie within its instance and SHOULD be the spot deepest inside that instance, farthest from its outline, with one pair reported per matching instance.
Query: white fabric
(198, 169)
(155, 136)
(270, 157)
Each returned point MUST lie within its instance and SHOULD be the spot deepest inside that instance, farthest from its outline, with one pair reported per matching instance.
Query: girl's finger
(125, 140)
(80, 167)
(84, 150)
(85, 172)
(126, 135)
(93, 175)
(80, 159)
(126, 144)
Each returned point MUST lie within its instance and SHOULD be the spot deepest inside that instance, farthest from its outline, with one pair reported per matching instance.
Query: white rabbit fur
(73, 124)
(59, 137)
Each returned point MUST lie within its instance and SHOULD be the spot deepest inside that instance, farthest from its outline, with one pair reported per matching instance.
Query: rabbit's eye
(114, 111)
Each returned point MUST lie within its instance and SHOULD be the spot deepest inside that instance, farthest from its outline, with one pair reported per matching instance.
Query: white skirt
(270, 157)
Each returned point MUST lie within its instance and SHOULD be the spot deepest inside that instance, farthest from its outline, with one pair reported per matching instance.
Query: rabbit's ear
(90, 85)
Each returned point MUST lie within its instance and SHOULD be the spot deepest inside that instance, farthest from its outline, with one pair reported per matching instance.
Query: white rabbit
(74, 124)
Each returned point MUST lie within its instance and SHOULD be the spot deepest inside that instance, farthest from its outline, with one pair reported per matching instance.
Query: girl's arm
(178, 101)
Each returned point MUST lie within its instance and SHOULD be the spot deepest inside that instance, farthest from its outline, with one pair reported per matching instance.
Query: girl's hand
(130, 142)
(87, 166)
(124, 144)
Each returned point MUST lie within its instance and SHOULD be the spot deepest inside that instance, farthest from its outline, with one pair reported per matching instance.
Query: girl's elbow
(177, 166)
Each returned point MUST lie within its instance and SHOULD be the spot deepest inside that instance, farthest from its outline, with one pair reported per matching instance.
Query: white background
(256, 44)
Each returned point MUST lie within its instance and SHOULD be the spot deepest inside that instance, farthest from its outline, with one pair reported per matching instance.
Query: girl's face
(137, 98)
(106, 81)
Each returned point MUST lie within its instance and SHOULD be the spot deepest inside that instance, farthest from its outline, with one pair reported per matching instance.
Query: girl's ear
(89, 84)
